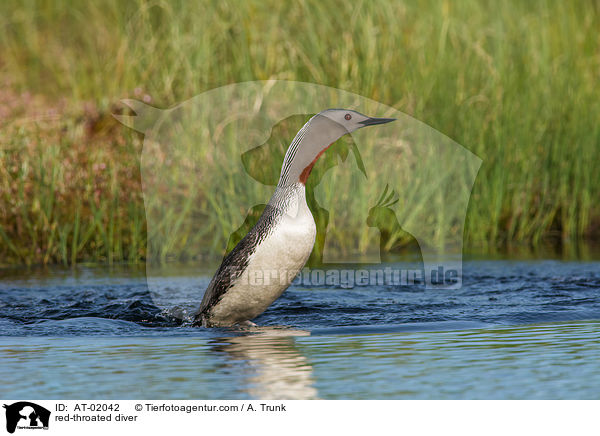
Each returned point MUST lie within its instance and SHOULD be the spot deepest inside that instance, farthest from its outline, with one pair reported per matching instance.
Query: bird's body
(264, 263)
(257, 271)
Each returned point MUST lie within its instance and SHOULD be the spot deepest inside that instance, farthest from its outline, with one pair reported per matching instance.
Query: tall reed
(515, 82)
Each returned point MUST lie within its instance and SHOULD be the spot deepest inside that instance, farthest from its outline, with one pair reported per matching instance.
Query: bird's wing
(234, 264)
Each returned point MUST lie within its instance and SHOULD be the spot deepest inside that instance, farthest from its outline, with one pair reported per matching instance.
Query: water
(515, 330)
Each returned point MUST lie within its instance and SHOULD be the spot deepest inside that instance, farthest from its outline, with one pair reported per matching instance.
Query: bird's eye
(348, 116)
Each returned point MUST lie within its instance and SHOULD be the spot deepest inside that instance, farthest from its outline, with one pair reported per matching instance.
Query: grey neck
(316, 135)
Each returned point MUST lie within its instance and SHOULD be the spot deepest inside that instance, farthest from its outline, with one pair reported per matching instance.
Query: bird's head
(351, 120)
(316, 136)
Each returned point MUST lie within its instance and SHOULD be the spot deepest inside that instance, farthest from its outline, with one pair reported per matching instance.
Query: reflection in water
(275, 368)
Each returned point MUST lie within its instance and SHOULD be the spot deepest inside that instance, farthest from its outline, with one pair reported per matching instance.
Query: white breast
(275, 263)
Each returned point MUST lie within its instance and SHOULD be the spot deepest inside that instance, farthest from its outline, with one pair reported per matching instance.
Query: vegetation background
(515, 82)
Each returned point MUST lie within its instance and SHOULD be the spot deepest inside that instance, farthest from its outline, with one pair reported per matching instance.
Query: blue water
(514, 330)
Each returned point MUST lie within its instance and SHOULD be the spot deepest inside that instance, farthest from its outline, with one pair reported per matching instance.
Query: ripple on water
(493, 292)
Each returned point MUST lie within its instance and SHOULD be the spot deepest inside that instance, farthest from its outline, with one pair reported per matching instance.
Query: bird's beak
(373, 121)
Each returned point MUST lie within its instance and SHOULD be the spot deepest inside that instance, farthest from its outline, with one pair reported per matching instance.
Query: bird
(265, 261)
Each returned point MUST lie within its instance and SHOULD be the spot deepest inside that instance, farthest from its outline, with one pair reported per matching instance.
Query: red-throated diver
(264, 263)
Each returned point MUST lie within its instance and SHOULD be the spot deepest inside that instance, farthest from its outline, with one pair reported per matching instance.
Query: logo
(211, 166)
(26, 415)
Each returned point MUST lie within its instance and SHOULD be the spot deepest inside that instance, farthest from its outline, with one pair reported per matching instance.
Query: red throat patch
(306, 171)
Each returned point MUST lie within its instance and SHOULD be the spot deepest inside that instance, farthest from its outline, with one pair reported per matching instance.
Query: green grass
(515, 82)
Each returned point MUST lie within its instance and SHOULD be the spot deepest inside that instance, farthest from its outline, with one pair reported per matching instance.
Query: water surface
(514, 330)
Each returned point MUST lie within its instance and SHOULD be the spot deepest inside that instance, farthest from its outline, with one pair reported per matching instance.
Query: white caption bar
(160, 417)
